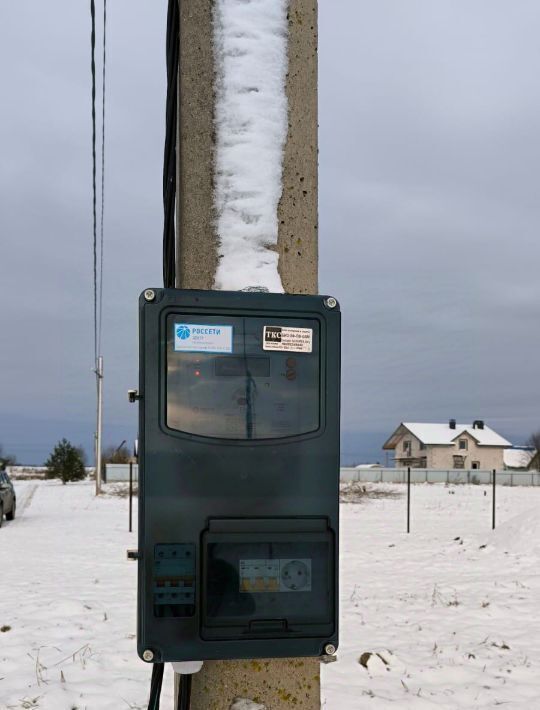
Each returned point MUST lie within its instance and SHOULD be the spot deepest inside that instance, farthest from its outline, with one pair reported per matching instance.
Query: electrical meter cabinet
(239, 475)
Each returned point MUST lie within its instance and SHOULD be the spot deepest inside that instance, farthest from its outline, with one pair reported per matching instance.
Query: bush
(66, 462)
(116, 455)
(6, 459)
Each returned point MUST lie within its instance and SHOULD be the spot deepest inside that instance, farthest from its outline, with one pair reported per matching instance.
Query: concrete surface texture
(281, 683)
(196, 254)
(277, 683)
(298, 209)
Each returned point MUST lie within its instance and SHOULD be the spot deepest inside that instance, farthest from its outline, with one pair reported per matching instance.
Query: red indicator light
(197, 373)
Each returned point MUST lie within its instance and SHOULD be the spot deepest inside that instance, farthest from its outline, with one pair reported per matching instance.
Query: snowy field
(68, 594)
(453, 609)
(449, 623)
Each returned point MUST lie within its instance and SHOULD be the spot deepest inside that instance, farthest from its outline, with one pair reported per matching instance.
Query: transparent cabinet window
(223, 382)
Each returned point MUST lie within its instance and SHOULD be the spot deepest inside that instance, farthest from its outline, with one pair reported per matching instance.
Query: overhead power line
(98, 247)
(104, 60)
(94, 213)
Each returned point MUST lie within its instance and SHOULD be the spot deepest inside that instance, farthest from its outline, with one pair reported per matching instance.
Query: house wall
(492, 457)
(442, 457)
(416, 451)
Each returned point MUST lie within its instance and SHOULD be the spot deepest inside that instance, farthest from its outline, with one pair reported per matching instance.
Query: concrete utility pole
(281, 683)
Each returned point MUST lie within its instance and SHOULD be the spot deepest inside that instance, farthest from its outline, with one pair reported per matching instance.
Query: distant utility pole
(273, 683)
(99, 421)
(98, 243)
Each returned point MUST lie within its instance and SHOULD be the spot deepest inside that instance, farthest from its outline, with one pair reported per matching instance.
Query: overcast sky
(429, 212)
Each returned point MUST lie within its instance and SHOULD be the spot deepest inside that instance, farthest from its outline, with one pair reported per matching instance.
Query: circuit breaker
(238, 475)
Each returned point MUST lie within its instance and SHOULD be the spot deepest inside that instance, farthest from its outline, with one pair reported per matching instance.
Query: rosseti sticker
(203, 338)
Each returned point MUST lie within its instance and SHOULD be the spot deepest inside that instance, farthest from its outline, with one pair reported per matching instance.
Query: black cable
(102, 175)
(155, 686)
(169, 235)
(169, 157)
(93, 70)
(184, 692)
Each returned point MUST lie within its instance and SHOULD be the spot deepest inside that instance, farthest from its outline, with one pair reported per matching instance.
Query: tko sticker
(294, 340)
(196, 338)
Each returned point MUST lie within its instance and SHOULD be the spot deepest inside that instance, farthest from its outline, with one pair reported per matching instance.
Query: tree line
(67, 462)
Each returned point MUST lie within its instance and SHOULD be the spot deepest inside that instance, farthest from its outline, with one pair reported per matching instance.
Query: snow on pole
(251, 58)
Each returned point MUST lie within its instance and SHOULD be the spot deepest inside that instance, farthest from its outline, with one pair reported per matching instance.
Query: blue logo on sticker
(183, 332)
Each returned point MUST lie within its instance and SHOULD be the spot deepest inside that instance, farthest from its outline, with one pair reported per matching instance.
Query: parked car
(8, 499)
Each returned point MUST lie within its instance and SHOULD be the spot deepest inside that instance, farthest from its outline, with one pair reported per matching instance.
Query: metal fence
(429, 475)
(119, 472)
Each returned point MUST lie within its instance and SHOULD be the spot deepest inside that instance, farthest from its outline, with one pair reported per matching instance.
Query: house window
(407, 446)
(475, 465)
(459, 461)
(422, 446)
(423, 462)
(463, 444)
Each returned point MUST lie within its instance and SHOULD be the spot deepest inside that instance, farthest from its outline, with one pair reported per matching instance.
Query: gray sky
(429, 174)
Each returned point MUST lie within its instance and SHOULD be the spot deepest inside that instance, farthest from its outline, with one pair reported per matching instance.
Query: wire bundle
(183, 700)
(184, 692)
(169, 260)
(169, 158)
(155, 686)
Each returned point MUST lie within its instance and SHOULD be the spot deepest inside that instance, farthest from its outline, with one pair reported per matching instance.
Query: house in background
(518, 458)
(447, 446)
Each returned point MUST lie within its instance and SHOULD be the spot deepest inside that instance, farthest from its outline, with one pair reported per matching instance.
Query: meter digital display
(238, 475)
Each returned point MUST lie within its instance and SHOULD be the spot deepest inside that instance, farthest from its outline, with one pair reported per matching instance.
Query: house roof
(518, 457)
(443, 435)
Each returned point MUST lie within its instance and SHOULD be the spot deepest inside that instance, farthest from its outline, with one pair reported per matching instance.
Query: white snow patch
(430, 433)
(520, 534)
(244, 704)
(251, 50)
(518, 457)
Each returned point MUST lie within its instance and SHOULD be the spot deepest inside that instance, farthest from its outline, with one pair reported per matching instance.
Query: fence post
(409, 500)
(494, 486)
(131, 496)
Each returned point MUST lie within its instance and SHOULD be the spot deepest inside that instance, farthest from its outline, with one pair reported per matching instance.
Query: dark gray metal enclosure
(239, 474)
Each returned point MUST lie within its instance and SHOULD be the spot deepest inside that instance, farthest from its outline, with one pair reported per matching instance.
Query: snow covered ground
(452, 609)
(68, 594)
(455, 624)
